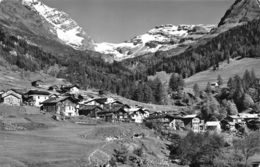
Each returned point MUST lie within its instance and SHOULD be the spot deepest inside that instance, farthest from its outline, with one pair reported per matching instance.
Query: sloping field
(22, 80)
(60, 146)
(225, 71)
(42, 141)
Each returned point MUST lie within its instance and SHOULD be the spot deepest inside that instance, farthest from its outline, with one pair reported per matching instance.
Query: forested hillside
(239, 41)
(85, 68)
(90, 71)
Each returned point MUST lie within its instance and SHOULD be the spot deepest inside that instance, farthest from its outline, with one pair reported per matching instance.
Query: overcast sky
(120, 20)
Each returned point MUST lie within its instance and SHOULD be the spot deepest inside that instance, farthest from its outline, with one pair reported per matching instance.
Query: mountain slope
(241, 11)
(28, 18)
(160, 38)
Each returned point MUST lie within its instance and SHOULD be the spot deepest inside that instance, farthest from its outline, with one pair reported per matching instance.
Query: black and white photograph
(129, 83)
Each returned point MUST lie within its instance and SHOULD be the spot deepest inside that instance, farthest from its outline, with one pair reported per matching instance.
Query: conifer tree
(148, 94)
(220, 80)
(230, 82)
(196, 90)
(159, 92)
(253, 78)
(208, 88)
(176, 82)
(247, 80)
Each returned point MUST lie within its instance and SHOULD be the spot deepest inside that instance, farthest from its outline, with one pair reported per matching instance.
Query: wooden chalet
(64, 106)
(163, 119)
(106, 116)
(90, 110)
(115, 113)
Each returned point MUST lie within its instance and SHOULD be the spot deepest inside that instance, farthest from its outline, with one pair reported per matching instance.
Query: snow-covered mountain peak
(160, 38)
(61, 25)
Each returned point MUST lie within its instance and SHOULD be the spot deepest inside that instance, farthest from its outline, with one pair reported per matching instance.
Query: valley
(176, 95)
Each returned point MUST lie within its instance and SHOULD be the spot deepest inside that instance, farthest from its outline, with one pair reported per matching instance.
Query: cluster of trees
(241, 94)
(151, 92)
(211, 150)
(244, 91)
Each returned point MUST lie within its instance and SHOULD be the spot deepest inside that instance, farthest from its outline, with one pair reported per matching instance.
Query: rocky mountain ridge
(240, 12)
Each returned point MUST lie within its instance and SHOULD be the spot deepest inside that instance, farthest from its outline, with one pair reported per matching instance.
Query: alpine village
(176, 96)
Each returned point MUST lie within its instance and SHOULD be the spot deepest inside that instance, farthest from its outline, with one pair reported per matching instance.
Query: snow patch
(146, 38)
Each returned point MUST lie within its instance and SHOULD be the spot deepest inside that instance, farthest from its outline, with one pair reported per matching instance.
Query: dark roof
(37, 92)
(164, 116)
(56, 100)
(98, 100)
(105, 113)
(119, 102)
(101, 100)
(89, 107)
(69, 87)
(19, 91)
(37, 81)
(53, 87)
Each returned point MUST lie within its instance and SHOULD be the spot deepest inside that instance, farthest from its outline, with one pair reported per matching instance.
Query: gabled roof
(14, 90)
(12, 94)
(37, 92)
(98, 100)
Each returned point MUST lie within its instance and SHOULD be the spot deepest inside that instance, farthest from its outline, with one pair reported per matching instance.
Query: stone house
(11, 97)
